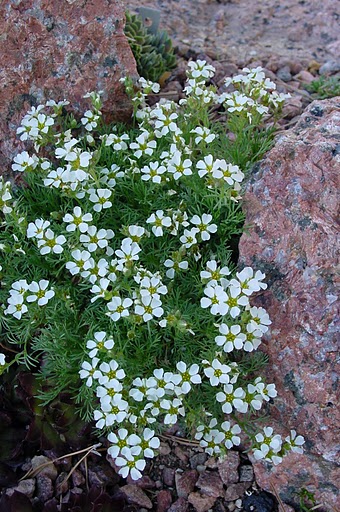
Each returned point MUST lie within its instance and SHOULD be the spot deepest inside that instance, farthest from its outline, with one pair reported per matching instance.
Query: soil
(244, 30)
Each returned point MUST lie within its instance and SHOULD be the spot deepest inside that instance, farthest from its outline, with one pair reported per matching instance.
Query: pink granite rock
(291, 203)
(56, 50)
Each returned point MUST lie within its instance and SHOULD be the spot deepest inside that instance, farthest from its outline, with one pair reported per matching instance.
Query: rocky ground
(296, 42)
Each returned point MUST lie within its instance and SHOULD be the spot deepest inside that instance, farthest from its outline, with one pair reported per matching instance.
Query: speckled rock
(136, 496)
(185, 482)
(164, 500)
(210, 484)
(56, 50)
(228, 468)
(201, 503)
(291, 202)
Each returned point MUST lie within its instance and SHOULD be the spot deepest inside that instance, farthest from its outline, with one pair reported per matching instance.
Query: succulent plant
(154, 53)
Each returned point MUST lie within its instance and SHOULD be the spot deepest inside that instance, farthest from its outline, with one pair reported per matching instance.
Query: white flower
(148, 307)
(136, 232)
(200, 70)
(119, 440)
(204, 134)
(164, 383)
(118, 141)
(90, 120)
(174, 266)
(148, 443)
(128, 251)
(253, 398)
(37, 228)
(266, 391)
(174, 408)
(158, 221)
(94, 239)
(40, 292)
(234, 300)
(212, 442)
(24, 162)
(109, 176)
(260, 319)
(78, 220)
(203, 225)
(253, 339)
(118, 308)
(66, 151)
(249, 281)
(57, 178)
(165, 122)
(143, 146)
(89, 371)
(188, 376)
(214, 273)
(268, 446)
(107, 390)
(2, 359)
(51, 243)
(100, 197)
(188, 239)
(231, 437)
(295, 442)
(179, 168)
(138, 393)
(228, 172)
(202, 430)
(100, 290)
(114, 407)
(179, 218)
(100, 343)
(207, 166)
(130, 463)
(231, 398)
(232, 337)
(16, 306)
(110, 371)
(81, 263)
(153, 171)
(215, 299)
(19, 287)
(217, 373)
(153, 287)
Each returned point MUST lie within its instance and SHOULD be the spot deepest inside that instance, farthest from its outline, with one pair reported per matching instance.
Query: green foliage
(324, 87)
(154, 53)
(119, 256)
(307, 501)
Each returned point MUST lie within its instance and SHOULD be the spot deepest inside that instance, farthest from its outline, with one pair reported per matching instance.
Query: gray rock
(45, 489)
(331, 66)
(48, 470)
(284, 74)
(210, 484)
(168, 476)
(201, 503)
(185, 482)
(26, 487)
(246, 473)
(198, 459)
(136, 495)
(235, 491)
(164, 500)
(228, 468)
(180, 505)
